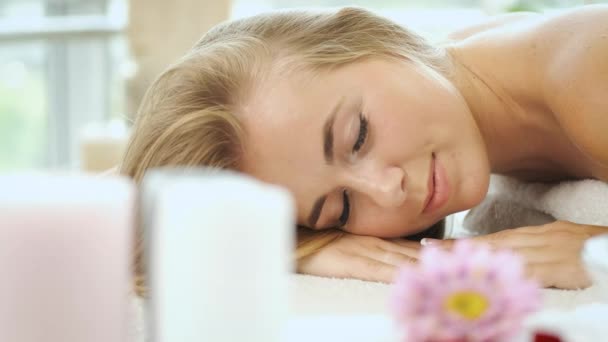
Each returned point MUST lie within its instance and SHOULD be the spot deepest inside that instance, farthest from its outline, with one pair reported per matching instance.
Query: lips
(438, 187)
(430, 184)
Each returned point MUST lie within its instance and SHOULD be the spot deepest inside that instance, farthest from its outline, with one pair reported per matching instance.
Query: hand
(551, 251)
(361, 257)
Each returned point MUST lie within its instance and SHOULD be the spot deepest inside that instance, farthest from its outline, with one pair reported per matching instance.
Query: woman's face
(356, 146)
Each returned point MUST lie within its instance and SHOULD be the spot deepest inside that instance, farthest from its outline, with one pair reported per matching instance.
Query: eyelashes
(362, 134)
(361, 138)
(343, 220)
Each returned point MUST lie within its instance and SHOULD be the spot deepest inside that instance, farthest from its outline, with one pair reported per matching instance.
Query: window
(22, 105)
(503, 5)
(63, 63)
(433, 18)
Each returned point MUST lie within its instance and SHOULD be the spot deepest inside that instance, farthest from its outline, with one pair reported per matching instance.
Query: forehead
(283, 120)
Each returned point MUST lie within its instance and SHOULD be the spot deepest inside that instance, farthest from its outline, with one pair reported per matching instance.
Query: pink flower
(467, 294)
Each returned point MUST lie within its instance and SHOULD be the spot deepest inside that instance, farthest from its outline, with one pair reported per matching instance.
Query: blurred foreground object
(546, 337)
(102, 145)
(467, 294)
(221, 247)
(64, 256)
(595, 258)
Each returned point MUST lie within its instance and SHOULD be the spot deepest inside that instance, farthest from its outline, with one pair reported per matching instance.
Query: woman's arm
(347, 255)
(552, 252)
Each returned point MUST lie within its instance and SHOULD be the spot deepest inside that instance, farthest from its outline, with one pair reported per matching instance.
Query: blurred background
(72, 72)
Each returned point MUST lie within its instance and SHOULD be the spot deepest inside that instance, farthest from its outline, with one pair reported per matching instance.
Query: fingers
(408, 248)
(510, 239)
(558, 275)
(538, 273)
(371, 270)
(395, 259)
(535, 255)
(548, 274)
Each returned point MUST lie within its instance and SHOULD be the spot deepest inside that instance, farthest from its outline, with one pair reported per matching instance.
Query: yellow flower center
(470, 305)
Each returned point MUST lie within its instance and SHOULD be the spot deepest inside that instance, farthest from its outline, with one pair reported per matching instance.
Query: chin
(476, 193)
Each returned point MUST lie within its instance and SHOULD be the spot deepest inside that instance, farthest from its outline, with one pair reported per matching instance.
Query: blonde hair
(190, 115)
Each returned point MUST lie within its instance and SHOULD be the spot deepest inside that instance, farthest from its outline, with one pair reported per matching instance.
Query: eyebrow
(328, 153)
(328, 133)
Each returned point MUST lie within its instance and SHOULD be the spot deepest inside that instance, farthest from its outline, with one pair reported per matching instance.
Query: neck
(515, 137)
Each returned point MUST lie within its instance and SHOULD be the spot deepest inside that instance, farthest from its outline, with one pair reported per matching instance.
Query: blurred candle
(595, 259)
(64, 243)
(221, 256)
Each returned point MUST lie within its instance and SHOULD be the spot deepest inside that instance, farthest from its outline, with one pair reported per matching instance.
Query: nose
(384, 185)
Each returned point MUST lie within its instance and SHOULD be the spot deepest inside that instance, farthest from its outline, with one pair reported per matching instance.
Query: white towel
(511, 203)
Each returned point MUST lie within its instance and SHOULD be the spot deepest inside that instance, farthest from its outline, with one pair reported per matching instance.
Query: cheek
(470, 175)
(475, 189)
(400, 133)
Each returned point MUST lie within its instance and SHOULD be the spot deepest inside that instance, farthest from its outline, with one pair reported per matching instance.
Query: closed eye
(361, 137)
(343, 220)
(362, 134)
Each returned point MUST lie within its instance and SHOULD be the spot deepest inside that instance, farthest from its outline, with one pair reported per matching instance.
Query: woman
(380, 135)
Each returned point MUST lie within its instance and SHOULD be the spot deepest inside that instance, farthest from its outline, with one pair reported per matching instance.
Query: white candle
(64, 256)
(221, 256)
(595, 259)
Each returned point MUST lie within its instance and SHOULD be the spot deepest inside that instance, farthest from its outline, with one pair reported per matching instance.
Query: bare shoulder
(491, 23)
(574, 62)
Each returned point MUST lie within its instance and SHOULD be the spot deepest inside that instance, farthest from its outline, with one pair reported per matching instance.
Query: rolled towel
(511, 203)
